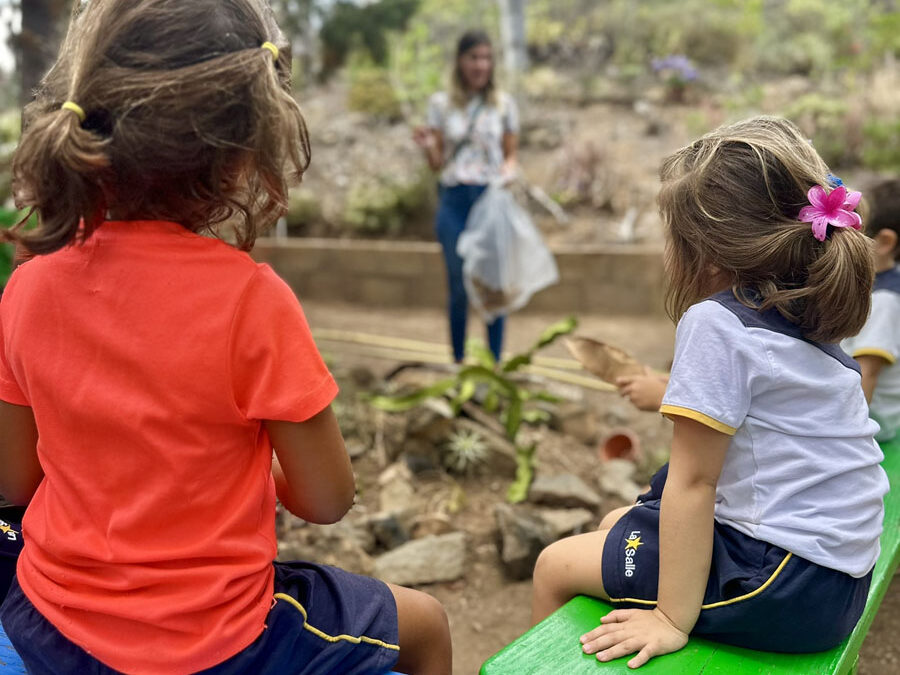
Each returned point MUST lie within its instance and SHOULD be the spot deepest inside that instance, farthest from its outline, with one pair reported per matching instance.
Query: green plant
(373, 209)
(10, 127)
(352, 24)
(6, 258)
(507, 397)
(881, 144)
(416, 65)
(304, 208)
(7, 218)
(382, 207)
(371, 91)
(824, 118)
(465, 451)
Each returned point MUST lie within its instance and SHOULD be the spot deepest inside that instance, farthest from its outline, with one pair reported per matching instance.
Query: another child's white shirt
(802, 471)
(881, 337)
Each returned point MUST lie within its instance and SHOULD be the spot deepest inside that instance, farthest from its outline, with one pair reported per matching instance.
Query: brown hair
(731, 201)
(186, 119)
(459, 91)
(883, 199)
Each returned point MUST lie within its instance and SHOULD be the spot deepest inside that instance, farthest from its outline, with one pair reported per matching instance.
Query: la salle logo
(631, 547)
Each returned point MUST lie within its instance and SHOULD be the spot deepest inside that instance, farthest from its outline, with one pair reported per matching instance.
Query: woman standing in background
(471, 138)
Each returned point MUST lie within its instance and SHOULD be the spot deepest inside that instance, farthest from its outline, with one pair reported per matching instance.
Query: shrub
(881, 144)
(824, 119)
(371, 91)
(351, 25)
(389, 208)
(304, 209)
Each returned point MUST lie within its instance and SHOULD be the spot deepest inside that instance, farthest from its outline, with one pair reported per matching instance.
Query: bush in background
(387, 208)
(371, 91)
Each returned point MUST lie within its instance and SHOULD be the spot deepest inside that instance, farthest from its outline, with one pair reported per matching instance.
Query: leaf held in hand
(603, 360)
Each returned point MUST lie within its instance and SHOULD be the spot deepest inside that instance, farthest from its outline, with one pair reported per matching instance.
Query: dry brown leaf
(603, 360)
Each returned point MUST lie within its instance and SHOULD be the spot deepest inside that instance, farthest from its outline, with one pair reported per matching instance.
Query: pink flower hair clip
(835, 208)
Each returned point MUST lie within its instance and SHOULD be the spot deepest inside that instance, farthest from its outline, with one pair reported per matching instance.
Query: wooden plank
(552, 646)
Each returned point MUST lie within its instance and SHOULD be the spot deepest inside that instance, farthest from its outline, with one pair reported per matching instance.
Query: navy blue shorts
(323, 621)
(10, 546)
(758, 596)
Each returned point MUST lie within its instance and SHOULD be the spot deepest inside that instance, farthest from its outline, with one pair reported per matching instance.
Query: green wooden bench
(552, 646)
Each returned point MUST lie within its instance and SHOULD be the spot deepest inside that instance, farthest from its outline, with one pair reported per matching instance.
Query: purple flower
(835, 208)
(678, 64)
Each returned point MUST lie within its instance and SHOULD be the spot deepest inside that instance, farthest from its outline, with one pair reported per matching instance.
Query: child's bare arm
(313, 476)
(686, 536)
(870, 367)
(431, 141)
(22, 472)
(686, 518)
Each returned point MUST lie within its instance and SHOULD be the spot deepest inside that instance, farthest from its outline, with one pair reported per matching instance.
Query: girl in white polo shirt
(877, 347)
(763, 529)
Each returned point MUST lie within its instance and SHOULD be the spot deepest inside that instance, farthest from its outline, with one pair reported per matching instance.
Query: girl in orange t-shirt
(147, 369)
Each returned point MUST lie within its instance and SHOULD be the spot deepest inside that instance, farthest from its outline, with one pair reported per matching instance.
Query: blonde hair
(730, 201)
(180, 114)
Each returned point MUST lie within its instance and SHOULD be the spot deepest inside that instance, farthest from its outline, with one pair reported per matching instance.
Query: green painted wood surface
(552, 646)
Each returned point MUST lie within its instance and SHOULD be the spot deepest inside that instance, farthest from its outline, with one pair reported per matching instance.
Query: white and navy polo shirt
(802, 471)
(881, 337)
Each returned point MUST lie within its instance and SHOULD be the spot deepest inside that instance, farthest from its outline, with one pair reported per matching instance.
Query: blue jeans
(453, 210)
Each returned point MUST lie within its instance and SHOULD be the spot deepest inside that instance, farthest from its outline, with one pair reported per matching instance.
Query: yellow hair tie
(75, 108)
(272, 48)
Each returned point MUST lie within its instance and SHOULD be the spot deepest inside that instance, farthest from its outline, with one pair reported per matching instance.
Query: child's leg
(424, 633)
(571, 567)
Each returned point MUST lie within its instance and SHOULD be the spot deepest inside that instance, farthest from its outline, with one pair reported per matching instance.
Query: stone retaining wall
(625, 279)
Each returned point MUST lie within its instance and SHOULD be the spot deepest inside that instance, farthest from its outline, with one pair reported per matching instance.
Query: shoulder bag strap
(473, 118)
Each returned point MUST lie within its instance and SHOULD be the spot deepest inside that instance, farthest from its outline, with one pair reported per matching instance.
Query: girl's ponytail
(58, 167)
(277, 116)
(142, 119)
(824, 287)
(740, 201)
(840, 287)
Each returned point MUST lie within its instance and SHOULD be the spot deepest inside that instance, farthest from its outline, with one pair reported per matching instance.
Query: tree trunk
(512, 33)
(38, 42)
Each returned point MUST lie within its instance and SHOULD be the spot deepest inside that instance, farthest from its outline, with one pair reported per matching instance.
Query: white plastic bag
(505, 260)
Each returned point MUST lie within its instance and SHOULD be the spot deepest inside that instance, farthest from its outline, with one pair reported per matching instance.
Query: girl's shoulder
(505, 102)
(439, 100)
(712, 311)
(717, 326)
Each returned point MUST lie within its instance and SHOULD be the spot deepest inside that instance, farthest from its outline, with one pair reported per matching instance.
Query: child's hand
(645, 392)
(509, 172)
(424, 138)
(626, 631)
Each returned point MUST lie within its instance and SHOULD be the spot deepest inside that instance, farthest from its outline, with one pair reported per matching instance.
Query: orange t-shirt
(149, 356)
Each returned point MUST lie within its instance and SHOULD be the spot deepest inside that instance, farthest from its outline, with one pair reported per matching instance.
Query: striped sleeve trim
(712, 423)
(874, 351)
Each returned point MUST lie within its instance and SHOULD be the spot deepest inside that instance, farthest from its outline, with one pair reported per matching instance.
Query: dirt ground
(487, 611)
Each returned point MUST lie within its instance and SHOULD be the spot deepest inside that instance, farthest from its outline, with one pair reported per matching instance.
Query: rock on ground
(522, 535)
(424, 561)
(563, 490)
